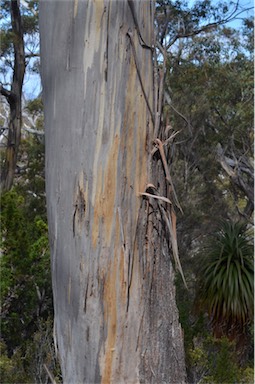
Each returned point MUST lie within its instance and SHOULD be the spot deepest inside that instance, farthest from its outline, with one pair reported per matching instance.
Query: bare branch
(33, 131)
(208, 27)
(169, 102)
(49, 374)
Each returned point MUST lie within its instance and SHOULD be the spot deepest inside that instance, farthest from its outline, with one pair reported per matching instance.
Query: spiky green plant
(227, 276)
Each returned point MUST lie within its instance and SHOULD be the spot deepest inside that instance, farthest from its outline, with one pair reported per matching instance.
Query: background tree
(16, 55)
(209, 117)
(221, 121)
(26, 294)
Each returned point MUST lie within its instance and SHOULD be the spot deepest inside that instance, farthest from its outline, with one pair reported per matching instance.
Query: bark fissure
(107, 42)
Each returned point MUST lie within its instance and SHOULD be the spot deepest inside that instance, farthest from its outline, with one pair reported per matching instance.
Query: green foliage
(224, 357)
(26, 293)
(6, 39)
(25, 284)
(247, 376)
(30, 181)
(214, 362)
(26, 365)
(40, 351)
(11, 369)
(209, 82)
(30, 23)
(227, 283)
(25, 269)
(35, 106)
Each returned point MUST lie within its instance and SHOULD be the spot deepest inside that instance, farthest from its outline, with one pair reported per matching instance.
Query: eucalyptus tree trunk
(116, 318)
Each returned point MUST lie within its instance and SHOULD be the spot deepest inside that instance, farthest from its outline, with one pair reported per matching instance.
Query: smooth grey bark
(116, 318)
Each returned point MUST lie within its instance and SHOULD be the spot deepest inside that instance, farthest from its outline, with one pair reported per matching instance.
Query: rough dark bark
(14, 99)
(116, 318)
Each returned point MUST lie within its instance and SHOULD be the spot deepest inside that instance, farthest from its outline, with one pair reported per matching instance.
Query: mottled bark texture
(114, 298)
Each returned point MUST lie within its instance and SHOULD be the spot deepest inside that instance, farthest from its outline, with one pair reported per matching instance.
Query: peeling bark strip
(113, 281)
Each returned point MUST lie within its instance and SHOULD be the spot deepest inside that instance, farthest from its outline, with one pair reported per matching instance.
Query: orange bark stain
(114, 302)
(110, 190)
(110, 307)
(105, 196)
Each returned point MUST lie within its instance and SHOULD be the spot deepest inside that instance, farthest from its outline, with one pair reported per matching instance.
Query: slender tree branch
(33, 131)
(49, 374)
(210, 26)
(31, 55)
